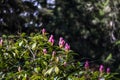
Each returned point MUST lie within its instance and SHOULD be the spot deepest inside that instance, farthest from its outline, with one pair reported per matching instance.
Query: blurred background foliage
(92, 27)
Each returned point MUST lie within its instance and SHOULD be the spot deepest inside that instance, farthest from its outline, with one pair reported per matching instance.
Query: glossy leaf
(56, 70)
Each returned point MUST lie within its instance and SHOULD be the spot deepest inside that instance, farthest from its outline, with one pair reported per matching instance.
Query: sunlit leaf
(37, 69)
(34, 45)
(56, 70)
(49, 71)
(20, 44)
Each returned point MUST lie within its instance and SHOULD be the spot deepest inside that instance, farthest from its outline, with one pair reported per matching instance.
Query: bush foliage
(36, 56)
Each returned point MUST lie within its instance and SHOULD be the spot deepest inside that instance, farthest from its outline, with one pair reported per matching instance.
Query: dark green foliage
(24, 59)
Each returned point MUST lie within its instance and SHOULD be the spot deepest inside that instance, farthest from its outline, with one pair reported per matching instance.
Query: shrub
(35, 56)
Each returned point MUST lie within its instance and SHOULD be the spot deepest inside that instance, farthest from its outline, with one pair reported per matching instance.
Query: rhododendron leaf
(11, 36)
(117, 42)
(20, 44)
(37, 69)
(34, 45)
(45, 63)
(23, 34)
(4, 36)
(60, 52)
(56, 70)
(108, 58)
(14, 54)
(49, 71)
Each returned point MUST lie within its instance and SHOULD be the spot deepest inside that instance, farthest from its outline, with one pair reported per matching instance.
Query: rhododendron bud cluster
(101, 69)
(61, 42)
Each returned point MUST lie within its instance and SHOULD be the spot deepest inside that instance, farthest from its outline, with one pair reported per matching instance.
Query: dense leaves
(34, 57)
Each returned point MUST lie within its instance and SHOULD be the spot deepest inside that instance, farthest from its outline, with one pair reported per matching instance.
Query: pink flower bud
(44, 51)
(67, 47)
(108, 70)
(19, 69)
(43, 31)
(1, 42)
(61, 42)
(65, 64)
(101, 68)
(86, 65)
(51, 39)
(53, 53)
(60, 39)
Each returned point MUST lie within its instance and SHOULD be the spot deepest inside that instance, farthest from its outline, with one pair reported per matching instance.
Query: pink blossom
(101, 68)
(60, 39)
(65, 64)
(61, 42)
(67, 47)
(44, 51)
(108, 70)
(53, 53)
(51, 39)
(1, 41)
(43, 31)
(86, 65)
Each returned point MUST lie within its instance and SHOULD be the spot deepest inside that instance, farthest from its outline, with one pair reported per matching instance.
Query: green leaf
(4, 36)
(117, 43)
(14, 54)
(20, 44)
(56, 70)
(37, 69)
(108, 58)
(23, 34)
(49, 71)
(34, 45)
(106, 3)
(101, 12)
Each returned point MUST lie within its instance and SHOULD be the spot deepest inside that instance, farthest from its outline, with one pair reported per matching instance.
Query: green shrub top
(36, 57)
